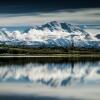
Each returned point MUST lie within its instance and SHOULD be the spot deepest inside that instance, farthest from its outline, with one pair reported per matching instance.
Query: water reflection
(49, 72)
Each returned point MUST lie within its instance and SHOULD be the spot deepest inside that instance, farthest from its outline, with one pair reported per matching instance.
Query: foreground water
(49, 78)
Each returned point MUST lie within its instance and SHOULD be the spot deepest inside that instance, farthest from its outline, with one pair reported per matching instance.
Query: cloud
(77, 16)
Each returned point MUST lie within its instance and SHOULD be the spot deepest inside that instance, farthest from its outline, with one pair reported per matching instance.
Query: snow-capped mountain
(51, 34)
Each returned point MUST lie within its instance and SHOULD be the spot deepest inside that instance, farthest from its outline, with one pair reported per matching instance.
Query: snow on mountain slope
(51, 34)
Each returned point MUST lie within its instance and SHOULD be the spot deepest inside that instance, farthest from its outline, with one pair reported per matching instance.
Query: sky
(30, 12)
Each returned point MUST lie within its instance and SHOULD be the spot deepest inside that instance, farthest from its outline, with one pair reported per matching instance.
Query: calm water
(50, 72)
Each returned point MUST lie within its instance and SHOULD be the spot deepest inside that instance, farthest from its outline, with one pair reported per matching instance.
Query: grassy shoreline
(51, 55)
(9, 51)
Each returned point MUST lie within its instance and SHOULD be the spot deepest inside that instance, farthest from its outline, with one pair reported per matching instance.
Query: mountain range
(51, 34)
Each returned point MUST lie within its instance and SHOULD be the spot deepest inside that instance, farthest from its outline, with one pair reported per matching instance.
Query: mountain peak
(53, 23)
(58, 23)
(60, 26)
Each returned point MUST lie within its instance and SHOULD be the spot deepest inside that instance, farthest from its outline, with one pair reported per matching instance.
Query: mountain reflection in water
(55, 72)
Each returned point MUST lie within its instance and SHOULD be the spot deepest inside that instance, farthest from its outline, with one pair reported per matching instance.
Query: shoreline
(50, 55)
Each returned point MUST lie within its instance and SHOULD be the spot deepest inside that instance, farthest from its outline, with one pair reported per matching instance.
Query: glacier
(51, 34)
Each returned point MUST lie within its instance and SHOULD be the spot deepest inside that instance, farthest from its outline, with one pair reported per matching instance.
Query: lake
(23, 78)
